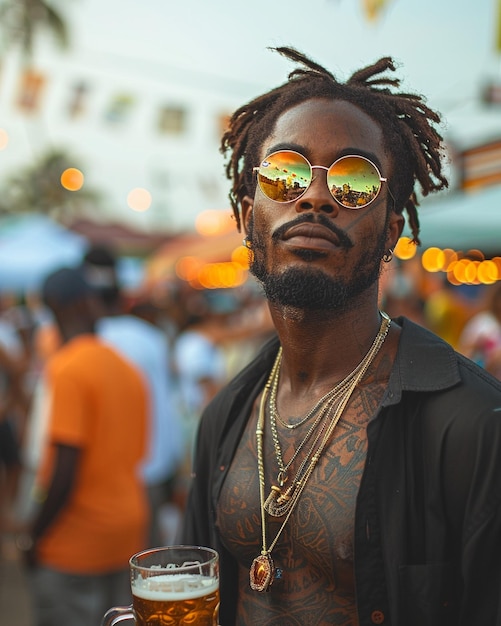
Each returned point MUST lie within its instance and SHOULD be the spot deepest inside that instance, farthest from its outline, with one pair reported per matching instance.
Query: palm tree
(37, 189)
(22, 20)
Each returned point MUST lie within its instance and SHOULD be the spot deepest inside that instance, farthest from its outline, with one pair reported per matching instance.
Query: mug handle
(117, 614)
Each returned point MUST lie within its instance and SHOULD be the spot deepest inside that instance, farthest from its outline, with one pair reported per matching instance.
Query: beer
(176, 600)
(171, 586)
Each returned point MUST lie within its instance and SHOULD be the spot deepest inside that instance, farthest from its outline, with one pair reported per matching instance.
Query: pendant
(262, 573)
(282, 478)
(277, 503)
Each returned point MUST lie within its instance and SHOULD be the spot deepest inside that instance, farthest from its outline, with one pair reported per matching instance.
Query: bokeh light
(475, 254)
(187, 268)
(139, 199)
(450, 256)
(433, 259)
(487, 272)
(214, 222)
(221, 275)
(405, 248)
(241, 256)
(4, 139)
(72, 179)
(458, 270)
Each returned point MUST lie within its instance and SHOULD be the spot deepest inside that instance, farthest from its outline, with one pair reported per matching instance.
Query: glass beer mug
(172, 586)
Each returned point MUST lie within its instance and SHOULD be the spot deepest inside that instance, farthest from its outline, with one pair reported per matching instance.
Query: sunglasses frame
(322, 167)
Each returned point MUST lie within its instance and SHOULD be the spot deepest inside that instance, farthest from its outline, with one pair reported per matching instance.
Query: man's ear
(395, 228)
(246, 204)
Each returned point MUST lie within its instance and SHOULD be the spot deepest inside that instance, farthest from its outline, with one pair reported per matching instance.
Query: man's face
(312, 253)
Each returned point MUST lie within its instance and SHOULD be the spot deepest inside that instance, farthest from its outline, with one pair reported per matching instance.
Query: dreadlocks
(407, 124)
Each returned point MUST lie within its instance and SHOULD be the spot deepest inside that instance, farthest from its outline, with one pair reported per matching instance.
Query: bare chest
(314, 546)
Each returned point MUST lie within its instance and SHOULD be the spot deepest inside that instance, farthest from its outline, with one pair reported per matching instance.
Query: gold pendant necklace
(280, 497)
(263, 571)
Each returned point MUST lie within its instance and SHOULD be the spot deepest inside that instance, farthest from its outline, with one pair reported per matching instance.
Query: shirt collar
(424, 362)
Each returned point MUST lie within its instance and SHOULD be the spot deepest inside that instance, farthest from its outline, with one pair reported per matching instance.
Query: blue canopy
(32, 246)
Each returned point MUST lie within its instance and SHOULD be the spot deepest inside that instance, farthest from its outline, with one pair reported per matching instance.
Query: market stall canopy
(205, 249)
(462, 221)
(31, 246)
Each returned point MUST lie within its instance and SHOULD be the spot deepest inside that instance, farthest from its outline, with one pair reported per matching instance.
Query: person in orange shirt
(94, 512)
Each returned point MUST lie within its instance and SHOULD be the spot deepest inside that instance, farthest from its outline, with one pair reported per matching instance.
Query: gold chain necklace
(327, 396)
(273, 401)
(279, 500)
(282, 476)
(263, 572)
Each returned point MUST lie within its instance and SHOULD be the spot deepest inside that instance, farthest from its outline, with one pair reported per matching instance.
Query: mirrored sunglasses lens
(353, 182)
(284, 176)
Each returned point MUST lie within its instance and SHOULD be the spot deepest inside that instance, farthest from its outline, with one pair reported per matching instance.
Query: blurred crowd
(102, 386)
(184, 345)
(468, 316)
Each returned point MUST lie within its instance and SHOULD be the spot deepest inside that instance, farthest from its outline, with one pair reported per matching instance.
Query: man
(350, 474)
(139, 339)
(13, 401)
(94, 512)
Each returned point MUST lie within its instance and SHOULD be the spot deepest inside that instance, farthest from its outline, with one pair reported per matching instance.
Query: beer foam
(174, 587)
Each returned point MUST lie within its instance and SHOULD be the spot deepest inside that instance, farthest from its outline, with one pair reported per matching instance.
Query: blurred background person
(216, 333)
(135, 334)
(480, 339)
(446, 310)
(400, 291)
(198, 356)
(14, 399)
(93, 510)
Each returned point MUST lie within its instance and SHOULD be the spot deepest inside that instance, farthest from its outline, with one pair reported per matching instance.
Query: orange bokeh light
(488, 272)
(72, 179)
(139, 199)
(187, 267)
(433, 259)
(214, 222)
(405, 248)
(241, 256)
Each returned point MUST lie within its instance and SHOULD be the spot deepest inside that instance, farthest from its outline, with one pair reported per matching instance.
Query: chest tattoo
(315, 549)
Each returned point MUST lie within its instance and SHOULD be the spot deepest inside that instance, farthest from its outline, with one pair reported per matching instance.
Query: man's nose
(318, 197)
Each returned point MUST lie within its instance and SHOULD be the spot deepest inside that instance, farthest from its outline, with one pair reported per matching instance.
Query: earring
(387, 256)
(247, 243)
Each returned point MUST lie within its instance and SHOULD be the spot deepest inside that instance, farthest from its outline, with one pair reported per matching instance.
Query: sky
(444, 49)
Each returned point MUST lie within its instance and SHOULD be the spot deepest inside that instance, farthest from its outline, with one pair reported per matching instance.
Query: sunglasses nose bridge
(315, 176)
(317, 194)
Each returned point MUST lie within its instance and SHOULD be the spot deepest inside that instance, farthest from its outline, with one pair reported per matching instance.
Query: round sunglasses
(353, 180)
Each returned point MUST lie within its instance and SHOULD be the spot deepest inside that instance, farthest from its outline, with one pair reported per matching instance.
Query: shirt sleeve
(69, 410)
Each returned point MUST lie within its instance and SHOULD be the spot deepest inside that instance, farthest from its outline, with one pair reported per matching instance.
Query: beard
(310, 288)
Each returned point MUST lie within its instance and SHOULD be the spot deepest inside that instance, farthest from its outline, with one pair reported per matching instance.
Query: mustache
(309, 218)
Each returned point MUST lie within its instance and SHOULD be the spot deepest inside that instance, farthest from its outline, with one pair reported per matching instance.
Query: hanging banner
(172, 120)
(374, 8)
(78, 100)
(30, 90)
(119, 108)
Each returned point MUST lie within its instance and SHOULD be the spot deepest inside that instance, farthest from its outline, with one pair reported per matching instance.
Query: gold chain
(279, 501)
(267, 564)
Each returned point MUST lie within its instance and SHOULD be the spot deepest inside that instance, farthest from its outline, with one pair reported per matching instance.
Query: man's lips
(311, 236)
